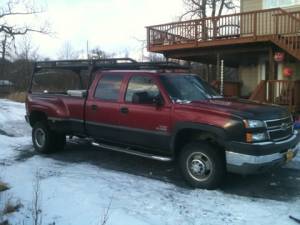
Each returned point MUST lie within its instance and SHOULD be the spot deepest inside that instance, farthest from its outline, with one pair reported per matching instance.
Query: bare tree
(67, 51)
(98, 53)
(26, 49)
(17, 19)
(25, 54)
(198, 9)
(20, 10)
(5, 52)
(142, 47)
(155, 57)
(5, 48)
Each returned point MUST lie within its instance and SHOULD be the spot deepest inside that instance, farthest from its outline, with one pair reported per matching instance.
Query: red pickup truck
(156, 110)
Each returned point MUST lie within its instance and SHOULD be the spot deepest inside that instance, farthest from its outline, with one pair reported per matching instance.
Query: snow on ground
(79, 193)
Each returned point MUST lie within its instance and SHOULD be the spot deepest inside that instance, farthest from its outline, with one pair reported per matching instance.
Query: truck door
(102, 107)
(143, 122)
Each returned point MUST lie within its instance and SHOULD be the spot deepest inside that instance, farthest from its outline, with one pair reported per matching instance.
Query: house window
(279, 3)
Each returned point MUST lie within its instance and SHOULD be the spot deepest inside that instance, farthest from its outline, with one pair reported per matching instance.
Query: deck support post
(271, 75)
(218, 66)
(271, 64)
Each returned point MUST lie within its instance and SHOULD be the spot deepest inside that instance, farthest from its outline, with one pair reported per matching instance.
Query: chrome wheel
(199, 166)
(40, 137)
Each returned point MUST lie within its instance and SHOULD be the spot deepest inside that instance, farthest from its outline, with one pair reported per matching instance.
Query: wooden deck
(235, 37)
(273, 25)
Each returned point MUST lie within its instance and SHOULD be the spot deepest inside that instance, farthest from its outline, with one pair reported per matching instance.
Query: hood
(243, 108)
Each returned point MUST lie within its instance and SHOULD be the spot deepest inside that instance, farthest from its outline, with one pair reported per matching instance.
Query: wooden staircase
(288, 43)
(287, 32)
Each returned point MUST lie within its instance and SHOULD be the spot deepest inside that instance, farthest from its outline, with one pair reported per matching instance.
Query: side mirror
(77, 93)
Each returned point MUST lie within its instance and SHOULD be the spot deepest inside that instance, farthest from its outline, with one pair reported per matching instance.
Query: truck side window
(59, 81)
(108, 87)
(141, 90)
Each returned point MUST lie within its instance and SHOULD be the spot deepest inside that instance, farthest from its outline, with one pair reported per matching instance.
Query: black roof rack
(108, 64)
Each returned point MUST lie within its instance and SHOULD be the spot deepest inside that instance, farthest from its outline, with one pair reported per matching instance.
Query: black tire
(45, 140)
(202, 165)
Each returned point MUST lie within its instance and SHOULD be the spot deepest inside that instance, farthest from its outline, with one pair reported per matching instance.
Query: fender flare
(218, 131)
(36, 112)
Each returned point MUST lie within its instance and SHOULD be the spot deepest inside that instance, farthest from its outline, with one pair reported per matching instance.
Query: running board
(133, 152)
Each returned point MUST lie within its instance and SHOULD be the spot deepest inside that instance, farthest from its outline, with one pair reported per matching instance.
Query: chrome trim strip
(133, 152)
(278, 119)
(288, 127)
(271, 128)
(290, 139)
(282, 138)
(238, 159)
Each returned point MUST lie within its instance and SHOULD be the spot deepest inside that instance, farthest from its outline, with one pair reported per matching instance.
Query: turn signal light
(249, 137)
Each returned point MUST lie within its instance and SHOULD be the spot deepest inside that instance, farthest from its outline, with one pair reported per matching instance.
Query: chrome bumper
(246, 164)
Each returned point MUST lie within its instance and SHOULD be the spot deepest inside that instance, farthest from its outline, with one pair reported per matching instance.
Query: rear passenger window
(59, 81)
(108, 87)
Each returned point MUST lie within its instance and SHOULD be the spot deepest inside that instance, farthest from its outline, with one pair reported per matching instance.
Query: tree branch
(20, 13)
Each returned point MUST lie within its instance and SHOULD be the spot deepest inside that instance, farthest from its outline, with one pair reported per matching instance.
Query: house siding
(292, 9)
(251, 5)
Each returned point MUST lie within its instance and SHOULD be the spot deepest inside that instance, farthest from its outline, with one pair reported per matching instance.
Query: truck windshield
(188, 88)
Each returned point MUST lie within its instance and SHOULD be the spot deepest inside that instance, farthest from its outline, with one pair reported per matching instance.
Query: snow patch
(77, 194)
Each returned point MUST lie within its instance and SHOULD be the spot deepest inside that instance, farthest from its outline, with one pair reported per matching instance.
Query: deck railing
(255, 24)
(280, 92)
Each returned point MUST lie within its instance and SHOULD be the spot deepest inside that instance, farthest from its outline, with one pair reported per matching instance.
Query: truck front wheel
(45, 140)
(202, 165)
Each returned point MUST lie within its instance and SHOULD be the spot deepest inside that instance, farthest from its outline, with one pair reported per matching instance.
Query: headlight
(254, 123)
(255, 137)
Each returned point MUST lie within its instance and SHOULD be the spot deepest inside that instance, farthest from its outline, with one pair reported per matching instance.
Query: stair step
(132, 152)
(290, 45)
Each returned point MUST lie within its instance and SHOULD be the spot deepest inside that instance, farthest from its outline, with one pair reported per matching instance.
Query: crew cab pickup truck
(159, 111)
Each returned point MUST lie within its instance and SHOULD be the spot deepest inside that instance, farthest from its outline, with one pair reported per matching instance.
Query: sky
(112, 25)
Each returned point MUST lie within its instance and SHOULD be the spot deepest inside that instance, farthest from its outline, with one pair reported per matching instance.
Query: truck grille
(280, 129)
